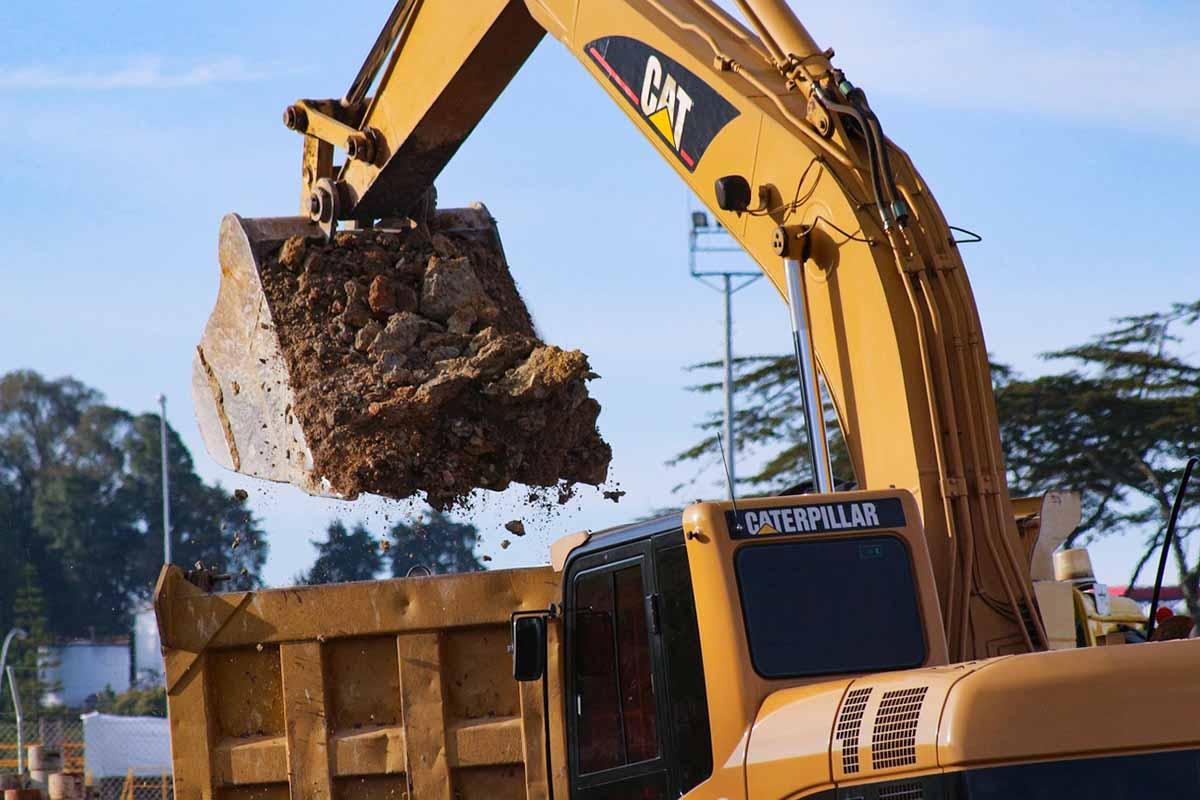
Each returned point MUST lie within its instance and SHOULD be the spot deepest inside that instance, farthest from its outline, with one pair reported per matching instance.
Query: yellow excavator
(903, 641)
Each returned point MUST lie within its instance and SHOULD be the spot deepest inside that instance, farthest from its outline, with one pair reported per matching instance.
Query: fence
(124, 758)
(129, 758)
(64, 734)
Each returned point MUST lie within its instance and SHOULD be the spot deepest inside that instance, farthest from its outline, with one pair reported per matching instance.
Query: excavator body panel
(1030, 725)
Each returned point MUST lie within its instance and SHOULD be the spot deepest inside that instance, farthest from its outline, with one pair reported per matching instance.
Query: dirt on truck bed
(416, 368)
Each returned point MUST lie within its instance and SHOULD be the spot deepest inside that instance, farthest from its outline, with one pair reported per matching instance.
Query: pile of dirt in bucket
(416, 367)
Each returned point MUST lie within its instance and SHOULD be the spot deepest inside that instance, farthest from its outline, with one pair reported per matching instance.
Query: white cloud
(142, 73)
(977, 68)
(1120, 65)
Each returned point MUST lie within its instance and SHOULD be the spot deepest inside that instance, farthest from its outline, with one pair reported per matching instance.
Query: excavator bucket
(240, 386)
(390, 361)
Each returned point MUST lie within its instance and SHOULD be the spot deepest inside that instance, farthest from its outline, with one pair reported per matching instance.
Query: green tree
(37, 417)
(151, 702)
(80, 499)
(769, 427)
(29, 614)
(1116, 425)
(436, 542)
(344, 555)
(208, 524)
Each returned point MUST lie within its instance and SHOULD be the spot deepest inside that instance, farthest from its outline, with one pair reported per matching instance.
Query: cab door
(614, 701)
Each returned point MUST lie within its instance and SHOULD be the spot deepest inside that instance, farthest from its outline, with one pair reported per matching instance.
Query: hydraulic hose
(858, 98)
(899, 207)
(885, 210)
(1168, 538)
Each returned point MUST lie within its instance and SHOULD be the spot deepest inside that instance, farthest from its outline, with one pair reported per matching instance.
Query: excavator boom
(791, 160)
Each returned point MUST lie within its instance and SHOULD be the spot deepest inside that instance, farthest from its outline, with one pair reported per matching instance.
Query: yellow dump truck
(384, 689)
(785, 647)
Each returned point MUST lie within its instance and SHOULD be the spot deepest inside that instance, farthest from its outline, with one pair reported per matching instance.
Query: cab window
(618, 721)
(830, 606)
(637, 708)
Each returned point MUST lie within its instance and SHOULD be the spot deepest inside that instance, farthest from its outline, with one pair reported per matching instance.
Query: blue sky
(1066, 133)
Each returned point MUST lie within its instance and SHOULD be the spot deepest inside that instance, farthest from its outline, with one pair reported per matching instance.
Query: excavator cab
(674, 629)
(794, 646)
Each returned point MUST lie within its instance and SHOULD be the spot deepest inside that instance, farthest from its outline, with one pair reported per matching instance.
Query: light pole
(701, 240)
(166, 481)
(12, 683)
(15, 633)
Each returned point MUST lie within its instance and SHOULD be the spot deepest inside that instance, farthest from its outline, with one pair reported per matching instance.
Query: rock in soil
(416, 368)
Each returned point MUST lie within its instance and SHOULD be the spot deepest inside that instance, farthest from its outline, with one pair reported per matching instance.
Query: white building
(78, 670)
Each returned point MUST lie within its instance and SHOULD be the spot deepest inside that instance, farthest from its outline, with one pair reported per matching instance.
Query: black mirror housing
(529, 648)
(733, 193)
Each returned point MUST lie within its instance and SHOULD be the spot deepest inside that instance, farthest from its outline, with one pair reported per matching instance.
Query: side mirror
(733, 193)
(529, 648)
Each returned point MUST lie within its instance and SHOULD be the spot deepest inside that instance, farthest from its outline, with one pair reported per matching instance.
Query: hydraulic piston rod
(806, 363)
(780, 30)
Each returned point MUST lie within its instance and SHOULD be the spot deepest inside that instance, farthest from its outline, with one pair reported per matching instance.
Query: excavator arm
(788, 155)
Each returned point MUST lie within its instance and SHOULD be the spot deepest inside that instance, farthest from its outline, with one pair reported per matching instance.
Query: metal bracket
(316, 118)
(325, 206)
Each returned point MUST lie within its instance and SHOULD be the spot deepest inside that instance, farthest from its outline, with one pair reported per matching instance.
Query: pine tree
(344, 555)
(28, 614)
(768, 425)
(1117, 425)
(1118, 428)
(435, 542)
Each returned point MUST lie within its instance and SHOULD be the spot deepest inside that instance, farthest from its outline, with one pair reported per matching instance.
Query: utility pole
(166, 481)
(713, 238)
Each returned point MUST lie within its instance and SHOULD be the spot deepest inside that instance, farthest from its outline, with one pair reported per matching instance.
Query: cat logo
(681, 110)
(664, 102)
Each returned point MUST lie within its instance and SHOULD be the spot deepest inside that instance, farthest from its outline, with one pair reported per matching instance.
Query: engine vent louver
(849, 725)
(902, 791)
(894, 738)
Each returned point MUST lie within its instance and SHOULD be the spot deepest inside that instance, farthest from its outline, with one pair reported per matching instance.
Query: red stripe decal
(613, 74)
(684, 154)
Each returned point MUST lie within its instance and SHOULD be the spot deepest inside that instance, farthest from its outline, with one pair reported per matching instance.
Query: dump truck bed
(379, 689)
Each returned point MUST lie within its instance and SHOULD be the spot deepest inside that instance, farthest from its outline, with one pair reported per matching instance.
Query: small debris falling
(615, 495)
(516, 527)
(240, 495)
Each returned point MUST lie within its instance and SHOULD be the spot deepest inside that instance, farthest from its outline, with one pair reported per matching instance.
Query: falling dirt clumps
(416, 368)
